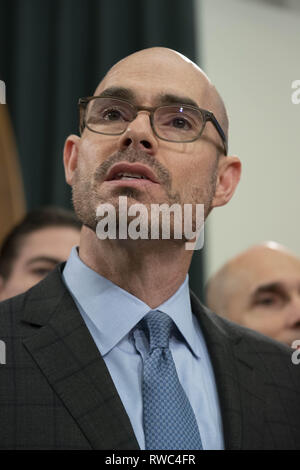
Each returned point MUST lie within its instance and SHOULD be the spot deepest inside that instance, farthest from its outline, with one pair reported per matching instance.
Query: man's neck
(151, 270)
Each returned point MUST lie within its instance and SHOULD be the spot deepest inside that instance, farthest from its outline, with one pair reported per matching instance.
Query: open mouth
(129, 176)
(130, 172)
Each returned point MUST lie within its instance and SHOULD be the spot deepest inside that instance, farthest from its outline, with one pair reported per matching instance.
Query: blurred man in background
(34, 247)
(260, 289)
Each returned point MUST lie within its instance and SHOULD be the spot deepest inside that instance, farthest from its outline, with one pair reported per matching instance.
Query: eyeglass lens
(112, 116)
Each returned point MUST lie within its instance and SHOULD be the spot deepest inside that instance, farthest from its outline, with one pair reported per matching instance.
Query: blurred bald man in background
(260, 289)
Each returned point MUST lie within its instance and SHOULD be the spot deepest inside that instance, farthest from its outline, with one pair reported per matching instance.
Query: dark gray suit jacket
(56, 392)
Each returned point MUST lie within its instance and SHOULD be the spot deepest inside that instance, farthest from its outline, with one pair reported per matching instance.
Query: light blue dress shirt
(111, 315)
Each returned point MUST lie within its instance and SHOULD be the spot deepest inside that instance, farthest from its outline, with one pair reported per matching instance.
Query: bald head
(260, 289)
(155, 58)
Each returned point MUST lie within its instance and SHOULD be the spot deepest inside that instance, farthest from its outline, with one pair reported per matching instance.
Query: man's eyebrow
(276, 287)
(169, 98)
(43, 259)
(162, 99)
(118, 92)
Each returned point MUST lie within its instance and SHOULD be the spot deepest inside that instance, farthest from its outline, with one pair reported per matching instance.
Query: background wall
(54, 51)
(250, 50)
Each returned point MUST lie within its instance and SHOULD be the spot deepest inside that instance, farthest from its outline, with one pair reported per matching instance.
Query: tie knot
(159, 326)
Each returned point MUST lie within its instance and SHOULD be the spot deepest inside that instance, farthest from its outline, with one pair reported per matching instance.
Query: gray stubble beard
(85, 198)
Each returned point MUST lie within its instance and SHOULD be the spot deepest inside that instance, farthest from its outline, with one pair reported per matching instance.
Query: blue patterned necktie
(169, 420)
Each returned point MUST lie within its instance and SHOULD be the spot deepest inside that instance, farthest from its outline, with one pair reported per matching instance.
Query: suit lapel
(67, 355)
(239, 385)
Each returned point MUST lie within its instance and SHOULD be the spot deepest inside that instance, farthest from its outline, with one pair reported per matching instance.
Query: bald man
(112, 351)
(260, 289)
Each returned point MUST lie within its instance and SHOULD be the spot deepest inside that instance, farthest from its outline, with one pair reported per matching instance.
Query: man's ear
(229, 173)
(71, 156)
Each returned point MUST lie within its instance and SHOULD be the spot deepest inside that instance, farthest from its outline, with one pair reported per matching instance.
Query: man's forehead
(168, 71)
(263, 265)
(163, 97)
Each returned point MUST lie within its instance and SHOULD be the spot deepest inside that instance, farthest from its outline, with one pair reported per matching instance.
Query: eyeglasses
(173, 123)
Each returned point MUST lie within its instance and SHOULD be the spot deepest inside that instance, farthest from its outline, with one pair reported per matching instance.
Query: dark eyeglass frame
(207, 116)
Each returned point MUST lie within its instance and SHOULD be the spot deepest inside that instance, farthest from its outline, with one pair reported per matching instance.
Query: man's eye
(112, 115)
(266, 301)
(270, 301)
(181, 123)
(176, 122)
(42, 272)
(174, 119)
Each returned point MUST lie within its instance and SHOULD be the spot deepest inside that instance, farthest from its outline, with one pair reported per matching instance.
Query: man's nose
(139, 134)
(293, 311)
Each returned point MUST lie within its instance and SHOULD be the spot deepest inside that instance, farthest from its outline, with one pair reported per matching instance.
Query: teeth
(129, 176)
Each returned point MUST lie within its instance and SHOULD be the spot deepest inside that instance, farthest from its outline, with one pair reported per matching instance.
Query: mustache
(135, 156)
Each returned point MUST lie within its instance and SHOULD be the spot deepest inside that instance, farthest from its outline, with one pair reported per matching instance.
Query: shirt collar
(178, 307)
(114, 311)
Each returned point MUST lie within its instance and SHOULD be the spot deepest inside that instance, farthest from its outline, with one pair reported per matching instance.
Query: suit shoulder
(11, 311)
(254, 340)
(252, 337)
(36, 299)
